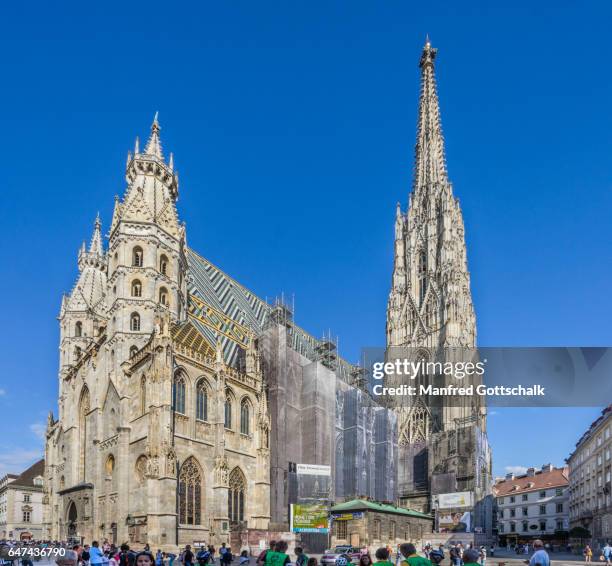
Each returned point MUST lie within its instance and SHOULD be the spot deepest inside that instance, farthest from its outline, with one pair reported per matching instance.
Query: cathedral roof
(225, 307)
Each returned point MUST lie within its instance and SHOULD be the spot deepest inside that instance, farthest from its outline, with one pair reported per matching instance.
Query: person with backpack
(203, 556)
(188, 556)
(301, 558)
(261, 559)
(225, 557)
(244, 557)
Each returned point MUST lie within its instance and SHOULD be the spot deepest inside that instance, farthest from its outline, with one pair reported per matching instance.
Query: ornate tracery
(416, 425)
(190, 493)
(236, 496)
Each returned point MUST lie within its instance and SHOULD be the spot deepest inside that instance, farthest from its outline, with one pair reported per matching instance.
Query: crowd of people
(277, 554)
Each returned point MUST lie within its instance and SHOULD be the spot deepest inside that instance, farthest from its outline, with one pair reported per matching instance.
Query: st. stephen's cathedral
(186, 402)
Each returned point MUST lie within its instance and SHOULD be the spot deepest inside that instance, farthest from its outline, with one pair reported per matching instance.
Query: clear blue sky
(293, 125)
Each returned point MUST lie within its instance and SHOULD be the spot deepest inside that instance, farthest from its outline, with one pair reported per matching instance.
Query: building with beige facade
(590, 480)
(22, 506)
(533, 505)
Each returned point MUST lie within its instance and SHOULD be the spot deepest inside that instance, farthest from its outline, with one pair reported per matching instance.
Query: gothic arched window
(135, 321)
(236, 496)
(163, 265)
(136, 288)
(133, 351)
(84, 407)
(137, 257)
(228, 411)
(163, 296)
(178, 394)
(422, 274)
(143, 395)
(190, 493)
(202, 401)
(78, 329)
(245, 417)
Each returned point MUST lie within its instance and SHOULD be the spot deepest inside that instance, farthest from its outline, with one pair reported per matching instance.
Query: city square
(194, 418)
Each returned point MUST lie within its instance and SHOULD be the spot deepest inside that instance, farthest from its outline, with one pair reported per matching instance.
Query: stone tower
(146, 255)
(84, 309)
(430, 316)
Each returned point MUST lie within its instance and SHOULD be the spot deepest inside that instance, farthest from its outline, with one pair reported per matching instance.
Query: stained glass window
(178, 394)
(236, 495)
(190, 493)
(202, 401)
(244, 417)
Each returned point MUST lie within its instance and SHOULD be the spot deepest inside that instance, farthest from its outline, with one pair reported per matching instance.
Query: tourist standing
(540, 556)
(187, 556)
(382, 557)
(409, 552)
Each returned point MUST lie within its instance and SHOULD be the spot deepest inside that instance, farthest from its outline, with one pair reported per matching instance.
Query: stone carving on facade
(153, 467)
(221, 471)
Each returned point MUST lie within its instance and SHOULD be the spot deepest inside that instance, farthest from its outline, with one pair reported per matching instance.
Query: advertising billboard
(457, 500)
(459, 522)
(314, 483)
(309, 518)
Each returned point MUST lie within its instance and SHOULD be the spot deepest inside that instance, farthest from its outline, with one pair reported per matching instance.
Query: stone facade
(443, 444)
(158, 439)
(185, 401)
(363, 523)
(590, 480)
(22, 504)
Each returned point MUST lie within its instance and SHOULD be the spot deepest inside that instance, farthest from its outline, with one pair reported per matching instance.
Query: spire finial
(427, 42)
(96, 238)
(154, 143)
(137, 146)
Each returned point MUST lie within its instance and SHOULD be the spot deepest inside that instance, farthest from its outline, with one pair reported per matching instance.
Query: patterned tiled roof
(224, 294)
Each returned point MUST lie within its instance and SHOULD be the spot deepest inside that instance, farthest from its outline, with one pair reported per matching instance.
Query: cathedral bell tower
(430, 318)
(147, 263)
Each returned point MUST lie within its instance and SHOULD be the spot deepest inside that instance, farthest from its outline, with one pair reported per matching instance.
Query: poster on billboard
(313, 483)
(309, 518)
(457, 522)
(457, 500)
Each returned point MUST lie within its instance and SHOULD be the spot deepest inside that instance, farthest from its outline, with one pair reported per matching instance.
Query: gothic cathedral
(158, 439)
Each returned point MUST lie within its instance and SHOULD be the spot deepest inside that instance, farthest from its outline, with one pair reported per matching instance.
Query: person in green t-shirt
(471, 557)
(278, 556)
(382, 557)
(409, 552)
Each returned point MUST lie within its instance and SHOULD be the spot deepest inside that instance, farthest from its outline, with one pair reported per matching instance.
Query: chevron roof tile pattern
(223, 293)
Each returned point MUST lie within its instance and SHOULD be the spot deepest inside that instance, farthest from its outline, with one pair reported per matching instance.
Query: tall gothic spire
(430, 163)
(154, 144)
